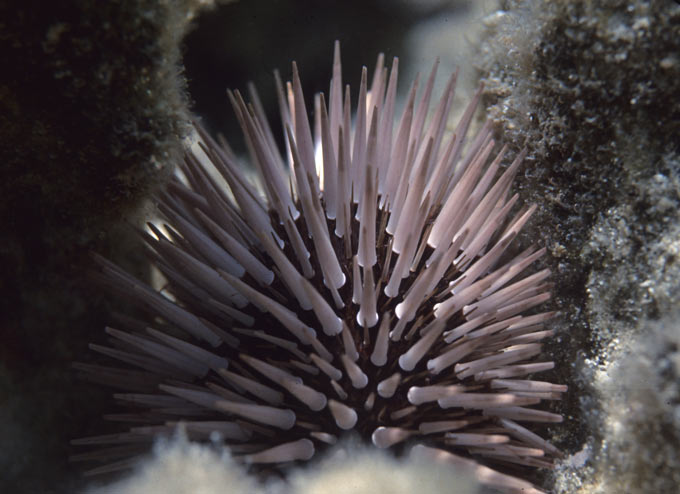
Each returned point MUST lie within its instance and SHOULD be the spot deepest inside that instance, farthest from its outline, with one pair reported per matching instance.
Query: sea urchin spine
(368, 290)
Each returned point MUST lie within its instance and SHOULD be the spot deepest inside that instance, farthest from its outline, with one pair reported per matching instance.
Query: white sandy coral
(353, 470)
(180, 467)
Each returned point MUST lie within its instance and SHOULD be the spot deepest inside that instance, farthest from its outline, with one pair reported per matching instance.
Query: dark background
(245, 42)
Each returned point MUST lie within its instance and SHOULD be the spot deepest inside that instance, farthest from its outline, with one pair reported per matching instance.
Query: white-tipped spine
(356, 375)
(384, 437)
(379, 355)
(387, 387)
(368, 316)
(345, 417)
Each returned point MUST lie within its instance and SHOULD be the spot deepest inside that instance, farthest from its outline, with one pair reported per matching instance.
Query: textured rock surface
(591, 88)
(91, 114)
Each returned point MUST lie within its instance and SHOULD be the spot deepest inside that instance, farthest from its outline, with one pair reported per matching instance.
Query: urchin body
(369, 290)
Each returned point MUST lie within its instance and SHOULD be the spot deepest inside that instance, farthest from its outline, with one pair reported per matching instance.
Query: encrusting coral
(591, 89)
(178, 466)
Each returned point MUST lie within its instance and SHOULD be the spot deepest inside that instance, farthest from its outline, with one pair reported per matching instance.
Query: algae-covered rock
(92, 111)
(591, 89)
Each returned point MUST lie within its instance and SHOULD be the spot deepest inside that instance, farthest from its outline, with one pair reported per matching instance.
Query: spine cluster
(359, 283)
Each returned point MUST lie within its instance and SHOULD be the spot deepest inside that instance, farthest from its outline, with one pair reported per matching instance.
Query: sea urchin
(369, 289)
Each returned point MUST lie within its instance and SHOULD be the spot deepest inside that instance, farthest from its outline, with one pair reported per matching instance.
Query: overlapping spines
(365, 285)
